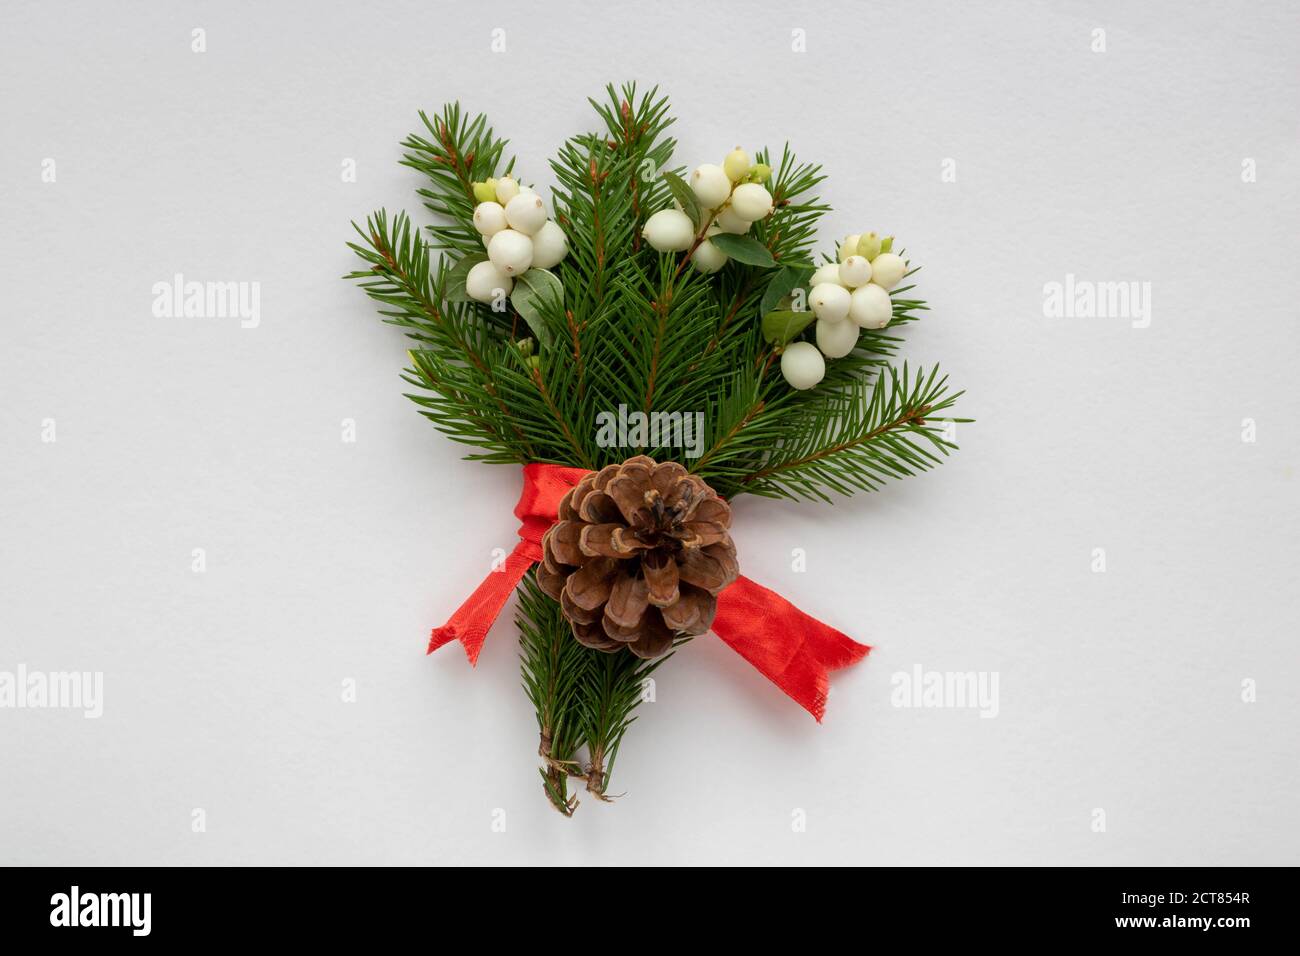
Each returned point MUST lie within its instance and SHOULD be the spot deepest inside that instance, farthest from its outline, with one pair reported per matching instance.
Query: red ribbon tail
(473, 619)
(793, 650)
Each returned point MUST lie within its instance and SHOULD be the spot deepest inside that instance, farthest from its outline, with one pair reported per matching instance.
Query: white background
(329, 561)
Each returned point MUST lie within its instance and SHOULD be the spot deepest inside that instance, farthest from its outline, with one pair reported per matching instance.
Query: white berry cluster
(846, 297)
(518, 235)
(731, 198)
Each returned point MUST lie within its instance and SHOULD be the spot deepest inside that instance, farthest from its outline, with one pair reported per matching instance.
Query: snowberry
(869, 246)
(485, 282)
(855, 271)
(550, 246)
(870, 308)
(802, 365)
(511, 251)
(669, 230)
(485, 191)
(711, 185)
(507, 189)
(489, 218)
(736, 165)
(829, 301)
(751, 201)
(728, 221)
(827, 273)
(707, 257)
(887, 270)
(849, 247)
(526, 213)
(836, 339)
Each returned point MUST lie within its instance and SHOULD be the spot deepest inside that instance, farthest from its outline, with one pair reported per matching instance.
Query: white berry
(849, 247)
(711, 185)
(707, 257)
(870, 308)
(485, 282)
(526, 213)
(855, 271)
(728, 221)
(887, 270)
(669, 230)
(829, 301)
(751, 201)
(507, 189)
(802, 365)
(836, 339)
(511, 251)
(550, 246)
(489, 218)
(869, 245)
(736, 165)
(827, 273)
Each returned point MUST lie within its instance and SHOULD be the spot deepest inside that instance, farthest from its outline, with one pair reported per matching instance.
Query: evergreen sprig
(582, 698)
(855, 438)
(460, 357)
(555, 671)
(454, 152)
(635, 328)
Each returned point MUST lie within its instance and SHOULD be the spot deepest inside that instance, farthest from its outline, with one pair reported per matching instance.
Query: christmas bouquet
(650, 344)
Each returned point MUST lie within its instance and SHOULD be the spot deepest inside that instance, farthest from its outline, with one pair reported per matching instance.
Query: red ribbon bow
(794, 651)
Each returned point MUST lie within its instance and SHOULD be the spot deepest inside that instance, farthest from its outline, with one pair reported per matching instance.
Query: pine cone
(638, 556)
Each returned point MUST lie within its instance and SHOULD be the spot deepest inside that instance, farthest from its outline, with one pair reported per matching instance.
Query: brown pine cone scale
(638, 556)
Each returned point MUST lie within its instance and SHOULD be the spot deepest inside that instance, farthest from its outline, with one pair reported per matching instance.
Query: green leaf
(533, 290)
(685, 195)
(782, 326)
(456, 278)
(783, 283)
(744, 249)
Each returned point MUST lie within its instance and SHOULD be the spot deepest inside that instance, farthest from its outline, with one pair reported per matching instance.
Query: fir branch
(855, 438)
(727, 435)
(636, 127)
(580, 696)
(553, 667)
(578, 450)
(577, 349)
(653, 345)
(611, 691)
(792, 228)
(457, 152)
(458, 353)
(738, 300)
(602, 191)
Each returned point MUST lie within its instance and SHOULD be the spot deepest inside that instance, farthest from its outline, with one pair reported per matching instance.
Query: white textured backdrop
(329, 561)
